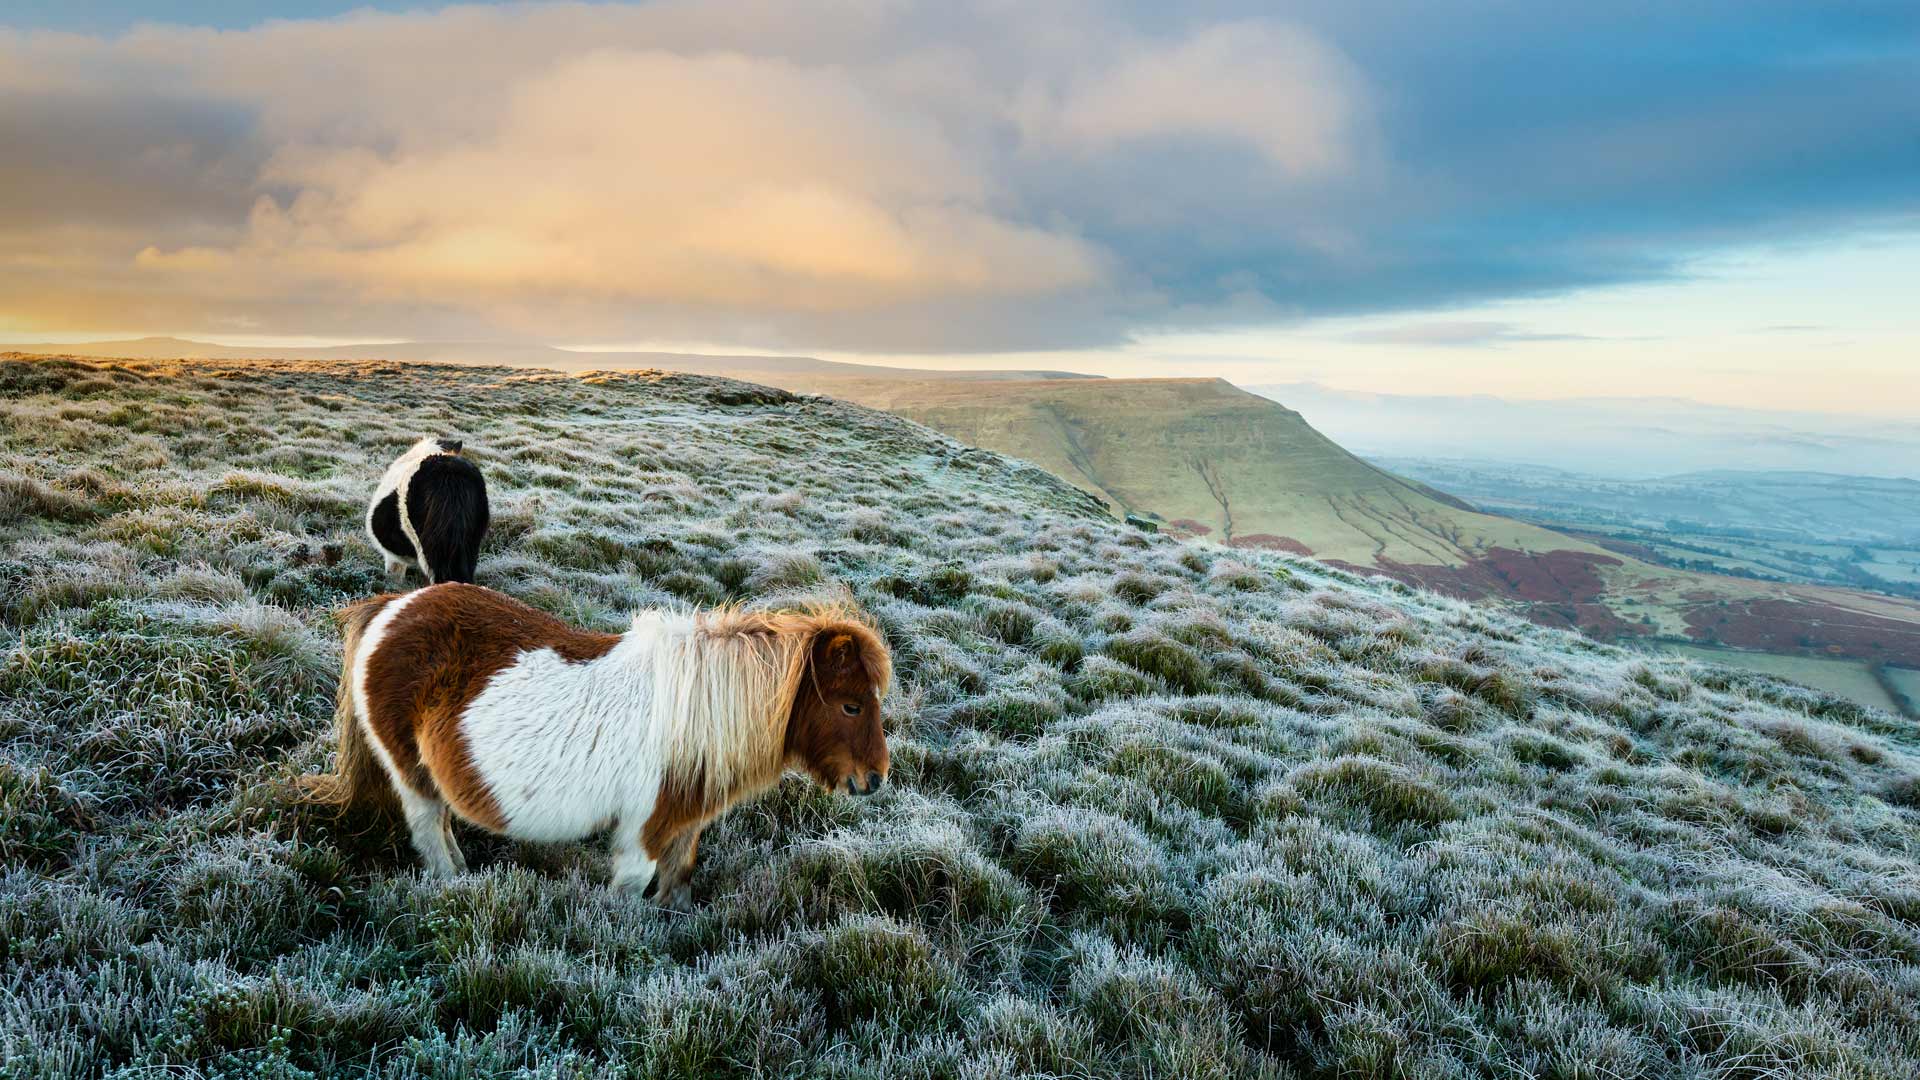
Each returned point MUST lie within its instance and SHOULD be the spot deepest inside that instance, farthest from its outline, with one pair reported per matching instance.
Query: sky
(1710, 200)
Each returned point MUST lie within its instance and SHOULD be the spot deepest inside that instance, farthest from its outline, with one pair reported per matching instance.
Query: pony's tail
(358, 780)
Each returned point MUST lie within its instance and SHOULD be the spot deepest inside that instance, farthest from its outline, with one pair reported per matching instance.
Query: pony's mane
(727, 680)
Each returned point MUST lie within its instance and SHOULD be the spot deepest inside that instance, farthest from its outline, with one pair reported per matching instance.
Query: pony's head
(834, 732)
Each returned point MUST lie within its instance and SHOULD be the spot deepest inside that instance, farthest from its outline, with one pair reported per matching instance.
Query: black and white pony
(430, 512)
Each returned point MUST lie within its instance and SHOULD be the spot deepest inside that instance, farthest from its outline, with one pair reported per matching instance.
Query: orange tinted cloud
(569, 171)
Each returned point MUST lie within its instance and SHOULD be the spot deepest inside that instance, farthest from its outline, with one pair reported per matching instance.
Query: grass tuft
(1389, 793)
(41, 823)
(1153, 653)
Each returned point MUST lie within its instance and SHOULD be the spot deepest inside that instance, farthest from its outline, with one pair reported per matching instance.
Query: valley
(1813, 528)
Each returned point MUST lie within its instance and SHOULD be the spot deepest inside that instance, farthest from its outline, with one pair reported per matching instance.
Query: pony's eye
(850, 709)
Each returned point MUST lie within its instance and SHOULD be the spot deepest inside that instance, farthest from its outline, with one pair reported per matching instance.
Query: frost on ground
(1159, 809)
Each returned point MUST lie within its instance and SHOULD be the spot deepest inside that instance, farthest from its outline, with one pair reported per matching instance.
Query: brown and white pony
(459, 700)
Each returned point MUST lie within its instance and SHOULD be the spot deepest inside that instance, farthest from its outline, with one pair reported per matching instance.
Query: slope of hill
(1209, 459)
(1212, 460)
(1159, 809)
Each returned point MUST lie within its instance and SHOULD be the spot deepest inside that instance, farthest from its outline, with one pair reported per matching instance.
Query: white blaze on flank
(565, 748)
(370, 640)
(426, 812)
(395, 482)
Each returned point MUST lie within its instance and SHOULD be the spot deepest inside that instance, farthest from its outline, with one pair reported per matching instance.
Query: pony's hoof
(678, 899)
(633, 886)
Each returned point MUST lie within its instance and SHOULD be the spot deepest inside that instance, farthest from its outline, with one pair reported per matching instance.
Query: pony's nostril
(874, 780)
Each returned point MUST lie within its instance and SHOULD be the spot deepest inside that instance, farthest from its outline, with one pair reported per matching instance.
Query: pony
(430, 512)
(455, 700)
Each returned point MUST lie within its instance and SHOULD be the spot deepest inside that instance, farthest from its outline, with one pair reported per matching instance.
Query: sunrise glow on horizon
(1432, 204)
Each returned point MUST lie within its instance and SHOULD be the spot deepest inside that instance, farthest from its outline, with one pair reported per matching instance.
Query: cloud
(1272, 87)
(586, 171)
(898, 176)
(1459, 333)
(642, 176)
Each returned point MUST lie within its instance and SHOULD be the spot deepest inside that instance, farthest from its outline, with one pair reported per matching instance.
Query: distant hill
(1211, 460)
(1809, 507)
(1208, 459)
(510, 354)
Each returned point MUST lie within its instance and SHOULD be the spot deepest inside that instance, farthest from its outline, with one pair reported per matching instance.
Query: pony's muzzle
(874, 780)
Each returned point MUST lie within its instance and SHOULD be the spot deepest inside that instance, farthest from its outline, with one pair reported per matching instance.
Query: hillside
(1207, 458)
(1159, 810)
(1211, 460)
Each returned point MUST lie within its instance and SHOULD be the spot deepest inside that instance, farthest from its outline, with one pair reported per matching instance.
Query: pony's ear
(838, 654)
(450, 446)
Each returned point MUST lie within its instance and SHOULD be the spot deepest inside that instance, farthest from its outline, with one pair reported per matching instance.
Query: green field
(1907, 681)
(1848, 678)
(1891, 564)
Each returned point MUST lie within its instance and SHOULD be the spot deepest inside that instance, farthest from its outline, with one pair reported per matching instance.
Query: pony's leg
(632, 868)
(676, 871)
(431, 824)
(453, 846)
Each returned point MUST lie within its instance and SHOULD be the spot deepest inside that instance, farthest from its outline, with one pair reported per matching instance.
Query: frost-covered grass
(1159, 809)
